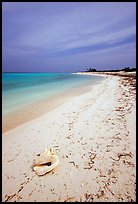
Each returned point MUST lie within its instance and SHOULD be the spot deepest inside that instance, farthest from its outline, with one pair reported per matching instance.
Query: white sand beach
(94, 136)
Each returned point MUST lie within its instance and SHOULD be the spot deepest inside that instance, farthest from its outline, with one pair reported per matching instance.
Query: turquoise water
(19, 89)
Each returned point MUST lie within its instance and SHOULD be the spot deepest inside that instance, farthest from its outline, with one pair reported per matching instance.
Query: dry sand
(94, 135)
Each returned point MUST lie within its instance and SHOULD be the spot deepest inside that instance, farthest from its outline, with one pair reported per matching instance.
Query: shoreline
(94, 135)
(119, 73)
(36, 109)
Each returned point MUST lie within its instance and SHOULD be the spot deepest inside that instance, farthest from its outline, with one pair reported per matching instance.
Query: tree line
(126, 69)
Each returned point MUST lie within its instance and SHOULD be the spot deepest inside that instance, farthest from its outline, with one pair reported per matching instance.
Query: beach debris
(9, 197)
(122, 155)
(92, 156)
(100, 194)
(69, 199)
(45, 162)
(12, 160)
(72, 162)
(87, 198)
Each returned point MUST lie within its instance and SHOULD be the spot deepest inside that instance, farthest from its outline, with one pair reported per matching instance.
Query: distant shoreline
(119, 73)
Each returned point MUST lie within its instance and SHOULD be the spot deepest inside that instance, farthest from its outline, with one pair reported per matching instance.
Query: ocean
(19, 89)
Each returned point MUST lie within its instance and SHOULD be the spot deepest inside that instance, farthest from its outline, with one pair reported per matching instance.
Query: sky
(68, 36)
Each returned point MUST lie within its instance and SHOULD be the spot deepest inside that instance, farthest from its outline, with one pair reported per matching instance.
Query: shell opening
(45, 164)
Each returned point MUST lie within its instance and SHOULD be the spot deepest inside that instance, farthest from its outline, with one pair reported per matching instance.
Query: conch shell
(45, 162)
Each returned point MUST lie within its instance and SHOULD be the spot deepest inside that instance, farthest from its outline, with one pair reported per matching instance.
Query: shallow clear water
(19, 89)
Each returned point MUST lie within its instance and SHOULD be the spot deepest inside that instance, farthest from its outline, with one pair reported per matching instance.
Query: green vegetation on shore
(126, 69)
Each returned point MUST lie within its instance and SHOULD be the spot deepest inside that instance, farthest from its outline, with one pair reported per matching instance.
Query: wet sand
(94, 135)
(34, 110)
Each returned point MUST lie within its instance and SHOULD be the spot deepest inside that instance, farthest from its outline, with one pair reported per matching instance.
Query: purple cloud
(46, 36)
